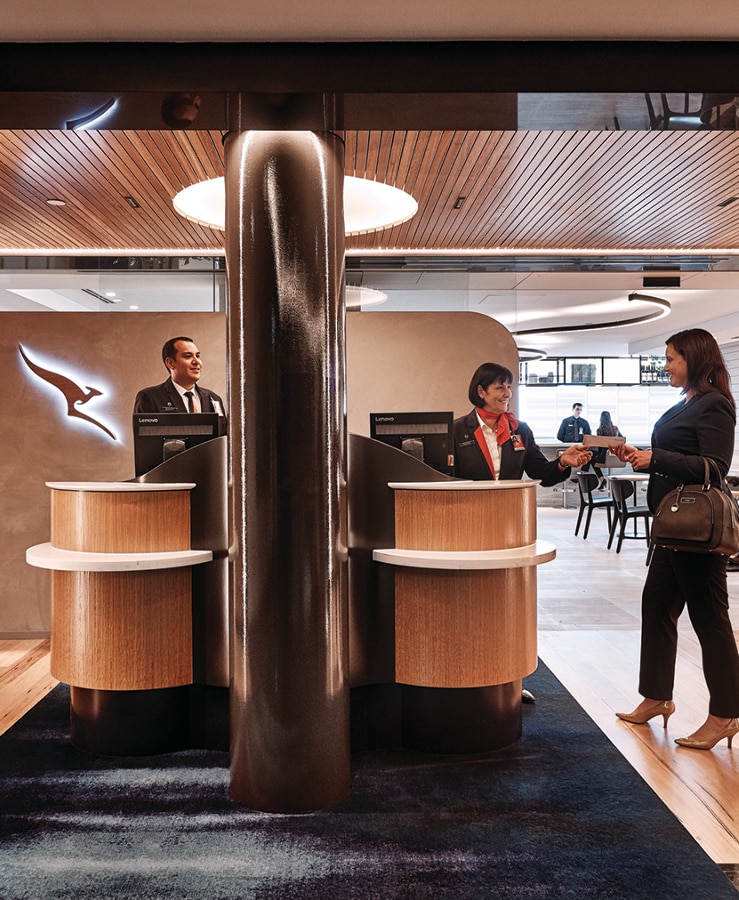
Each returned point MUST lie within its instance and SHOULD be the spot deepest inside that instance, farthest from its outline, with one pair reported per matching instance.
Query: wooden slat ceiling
(524, 190)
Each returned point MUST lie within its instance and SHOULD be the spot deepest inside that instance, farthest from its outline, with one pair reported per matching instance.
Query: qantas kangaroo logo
(73, 393)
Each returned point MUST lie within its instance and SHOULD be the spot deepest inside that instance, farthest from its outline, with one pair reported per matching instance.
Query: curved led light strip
(664, 310)
(530, 354)
(368, 205)
(360, 297)
(94, 117)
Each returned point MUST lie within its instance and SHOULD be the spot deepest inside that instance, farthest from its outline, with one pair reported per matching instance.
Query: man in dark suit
(181, 391)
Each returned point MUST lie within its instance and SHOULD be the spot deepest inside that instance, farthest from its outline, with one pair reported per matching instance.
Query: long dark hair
(485, 375)
(706, 367)
(607, 428)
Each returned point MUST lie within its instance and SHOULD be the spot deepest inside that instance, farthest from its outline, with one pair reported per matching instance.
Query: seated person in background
(573, 427)
(606, 429)
(180, 392)
(491, 444)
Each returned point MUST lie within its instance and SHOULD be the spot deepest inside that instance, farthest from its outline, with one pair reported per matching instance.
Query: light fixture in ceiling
(368, 205)
(92, 118)
(55, 201)
(664, 310)
(530, 354)
(361, 297)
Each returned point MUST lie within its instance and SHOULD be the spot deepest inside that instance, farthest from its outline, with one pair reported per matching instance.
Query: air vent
(661, 281)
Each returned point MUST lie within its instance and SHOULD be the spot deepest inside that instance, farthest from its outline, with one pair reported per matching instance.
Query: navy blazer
(165, 398)
(469, 461)
(703, 426)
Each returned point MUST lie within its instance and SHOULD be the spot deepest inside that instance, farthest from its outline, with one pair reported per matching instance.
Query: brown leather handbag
(699, 518)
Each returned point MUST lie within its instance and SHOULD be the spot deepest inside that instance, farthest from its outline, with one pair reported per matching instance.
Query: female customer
(605, 429)
(490, 443)
(701, 425)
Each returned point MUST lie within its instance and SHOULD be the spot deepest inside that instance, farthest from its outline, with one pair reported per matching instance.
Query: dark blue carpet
(560, 814)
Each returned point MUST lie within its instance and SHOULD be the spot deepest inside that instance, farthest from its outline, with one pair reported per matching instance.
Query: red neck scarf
(501, 423)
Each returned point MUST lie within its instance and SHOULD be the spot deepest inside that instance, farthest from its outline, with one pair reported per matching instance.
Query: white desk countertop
(516, 558)
(44, 556)
(117, 486)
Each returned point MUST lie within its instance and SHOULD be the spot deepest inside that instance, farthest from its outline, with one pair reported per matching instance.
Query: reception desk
(121, 627)
(465, 624)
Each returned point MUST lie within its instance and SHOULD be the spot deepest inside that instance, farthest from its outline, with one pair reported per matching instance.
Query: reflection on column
(285, 254)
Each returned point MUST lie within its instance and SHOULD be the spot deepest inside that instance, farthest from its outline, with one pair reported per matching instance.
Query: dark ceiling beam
(384, 68)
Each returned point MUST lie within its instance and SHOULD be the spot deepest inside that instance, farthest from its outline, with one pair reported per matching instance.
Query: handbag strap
(710, 469)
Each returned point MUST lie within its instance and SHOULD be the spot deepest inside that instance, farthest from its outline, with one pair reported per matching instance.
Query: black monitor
(426, 435)
(159, 436)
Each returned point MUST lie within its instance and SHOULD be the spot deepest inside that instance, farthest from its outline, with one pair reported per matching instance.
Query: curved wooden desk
(121, 598)
(465, 603)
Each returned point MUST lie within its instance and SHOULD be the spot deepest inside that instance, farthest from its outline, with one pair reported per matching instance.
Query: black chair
(625, 512)
(587, 482)
(685, 119)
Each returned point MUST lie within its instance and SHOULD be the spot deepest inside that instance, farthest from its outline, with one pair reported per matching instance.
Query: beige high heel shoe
(728, 732)
(664, 708)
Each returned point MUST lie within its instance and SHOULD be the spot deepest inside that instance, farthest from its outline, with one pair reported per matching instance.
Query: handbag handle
(711, 467)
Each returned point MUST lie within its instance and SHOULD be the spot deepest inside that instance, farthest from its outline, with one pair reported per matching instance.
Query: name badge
(517, 442)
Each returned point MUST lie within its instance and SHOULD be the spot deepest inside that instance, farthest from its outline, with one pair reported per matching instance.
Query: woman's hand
(639, 459)
(577, 455)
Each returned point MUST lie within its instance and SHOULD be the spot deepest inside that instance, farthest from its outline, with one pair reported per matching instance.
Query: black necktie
(190, 402)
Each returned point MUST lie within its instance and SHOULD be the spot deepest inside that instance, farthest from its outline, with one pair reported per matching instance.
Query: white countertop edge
(117, 486)
(44, 556)
(516, 558)
(460, 485)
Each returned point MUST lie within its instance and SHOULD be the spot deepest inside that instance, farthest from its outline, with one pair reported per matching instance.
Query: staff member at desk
(491, 444)
(181, 391)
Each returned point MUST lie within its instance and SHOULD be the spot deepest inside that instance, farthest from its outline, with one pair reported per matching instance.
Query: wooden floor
(589, 637)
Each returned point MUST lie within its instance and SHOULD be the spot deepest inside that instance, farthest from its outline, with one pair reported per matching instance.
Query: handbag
(700, 518)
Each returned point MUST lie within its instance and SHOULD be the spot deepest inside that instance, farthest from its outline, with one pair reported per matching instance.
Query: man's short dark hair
(576, 405)
(169, 350)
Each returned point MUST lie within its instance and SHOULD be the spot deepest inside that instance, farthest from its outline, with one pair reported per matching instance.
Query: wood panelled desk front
(121, 609)
(465, 609)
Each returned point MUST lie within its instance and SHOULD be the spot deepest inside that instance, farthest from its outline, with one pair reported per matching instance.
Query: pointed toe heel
(728, 732)
(664, 708)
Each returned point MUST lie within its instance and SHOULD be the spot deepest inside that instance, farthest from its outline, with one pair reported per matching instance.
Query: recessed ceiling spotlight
(132, 202)
(727, 202)
(53, 201)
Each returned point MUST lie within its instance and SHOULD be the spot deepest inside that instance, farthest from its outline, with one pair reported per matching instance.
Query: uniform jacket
(164, 398)
(469, 461)
(703, 426)
(572, 429)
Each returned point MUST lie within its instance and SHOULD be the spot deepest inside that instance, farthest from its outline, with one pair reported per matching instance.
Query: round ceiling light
(368, 205)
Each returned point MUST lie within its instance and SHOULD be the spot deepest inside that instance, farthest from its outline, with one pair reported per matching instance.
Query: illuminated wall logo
(73, 394)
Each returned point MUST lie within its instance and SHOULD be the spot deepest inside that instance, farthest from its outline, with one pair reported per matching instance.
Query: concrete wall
(418, 362)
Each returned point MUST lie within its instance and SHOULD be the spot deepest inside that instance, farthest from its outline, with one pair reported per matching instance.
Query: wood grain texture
(24, 678)
(464, 629)
(465, 520)
(523, 189)
(122, 631)
(120, 522)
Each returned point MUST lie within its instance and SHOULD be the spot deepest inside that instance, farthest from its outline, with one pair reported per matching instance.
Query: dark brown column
(285, 257)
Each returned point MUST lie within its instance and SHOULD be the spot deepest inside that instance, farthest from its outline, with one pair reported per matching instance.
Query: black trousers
(696, 580)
